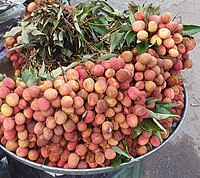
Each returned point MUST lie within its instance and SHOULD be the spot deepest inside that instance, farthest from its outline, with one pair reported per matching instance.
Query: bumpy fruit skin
(155, 141)
(166, 17)
(50, 94)
(172, 26)
(73, 160)
(33, 155)
(164, 33)
(88, 84)
(132, 120)
(133, 93)
(144, 58)
(187, 63)
(116, 63)
(142, 35)
(8, 123)
(32, 7)
(149, 75)
(123, 75)
(8, 82)
(150, 86)
(141, 150)
(72, 74)
(142, 140)
(155, 18)
(155, 39)
(110, 154)
(10, 41)
(173, 52)
(12, 99)
(138, 25)
(152, 26)
(127, 56)
(189, 43)
(11, 145)
(98, 70)
(100, 86)
(139, 16)
(168, 43)
(6, 110)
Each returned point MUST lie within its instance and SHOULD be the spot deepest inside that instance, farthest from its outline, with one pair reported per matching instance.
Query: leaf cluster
(58, 36)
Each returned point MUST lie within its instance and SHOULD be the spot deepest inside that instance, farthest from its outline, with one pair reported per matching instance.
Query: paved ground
(180, 158)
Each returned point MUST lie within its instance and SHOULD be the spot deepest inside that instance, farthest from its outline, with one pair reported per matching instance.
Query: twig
(63, 72)
(68, 23)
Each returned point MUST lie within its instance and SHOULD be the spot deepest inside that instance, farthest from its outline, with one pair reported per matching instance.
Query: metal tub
(101, 170)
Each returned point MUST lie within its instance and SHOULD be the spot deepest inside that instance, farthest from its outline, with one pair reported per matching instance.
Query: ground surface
(180, 158)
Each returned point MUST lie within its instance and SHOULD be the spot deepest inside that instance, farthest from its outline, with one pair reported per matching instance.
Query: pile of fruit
(99, 112)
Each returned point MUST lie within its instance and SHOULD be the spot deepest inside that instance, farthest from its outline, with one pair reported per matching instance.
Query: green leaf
(159, 116)
(87, 57)
(37, 33)
(117, 13)
(165, 108)
(55, 36)
(104, 21)
(136, 131)
(77, 25)
(59, 14)
(55, 73)
(116, 162)
(33, 81)
(25, 37)
(121, 152)
(42, 72)
(125, 27)
(151, 100)
(94, 37)
(131, 17)
(142, 47)
(149, 125)
(107, 56)
(47, 21)
(83, 13)
(158, 134)
(106, 12)
(159, 125)
(2, 76)
(115, 40)
(60, 36)
(107, 6)
(30, 78)
(168, 105)
(124, 143)
(30, 28)
(190, 29)
(26, 74)
(99, 26)
(13, 31)
(130, 37)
